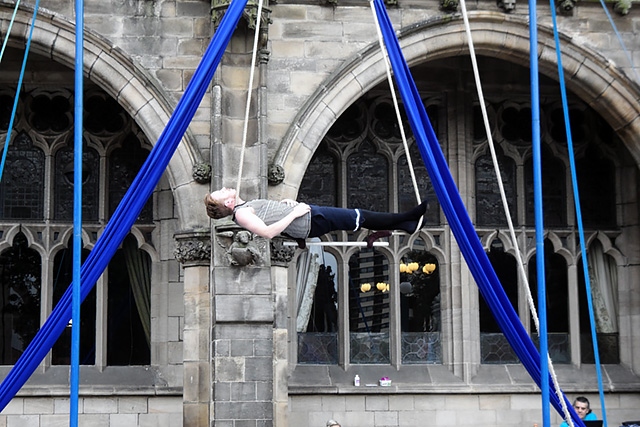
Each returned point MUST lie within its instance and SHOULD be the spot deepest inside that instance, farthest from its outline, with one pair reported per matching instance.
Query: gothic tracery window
(362, 163)
(36, 196)
(593, 144)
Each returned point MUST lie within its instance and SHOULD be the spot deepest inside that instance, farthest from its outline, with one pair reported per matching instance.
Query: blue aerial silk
(457, 216)
(130, 206)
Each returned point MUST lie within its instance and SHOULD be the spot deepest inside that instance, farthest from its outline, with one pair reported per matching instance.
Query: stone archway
(138, 93)
(588, 75)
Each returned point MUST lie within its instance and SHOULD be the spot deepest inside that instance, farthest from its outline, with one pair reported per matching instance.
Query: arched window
(603, 282)
(420, 316)
(62, 279)
(493, 344)
(360, 313)
(129, 305)
(36, 195)
(557, 302)
(554, 193)
(23, 179)
(369, 307)
(20, 274)
(489, 207)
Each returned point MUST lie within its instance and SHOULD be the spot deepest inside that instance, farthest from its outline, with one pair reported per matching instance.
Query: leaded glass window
(36, 212)
(22, 188)
(362, 164)
(20, 273)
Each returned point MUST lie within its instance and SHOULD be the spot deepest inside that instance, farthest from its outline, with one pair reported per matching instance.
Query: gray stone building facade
(223, 340)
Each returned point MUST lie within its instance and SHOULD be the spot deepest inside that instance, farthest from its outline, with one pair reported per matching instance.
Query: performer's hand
(301, 209)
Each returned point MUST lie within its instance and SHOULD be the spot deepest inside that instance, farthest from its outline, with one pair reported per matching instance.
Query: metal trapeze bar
(337, 243)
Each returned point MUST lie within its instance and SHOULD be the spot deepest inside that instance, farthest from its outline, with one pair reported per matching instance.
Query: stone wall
(102, 411)
(478, 410)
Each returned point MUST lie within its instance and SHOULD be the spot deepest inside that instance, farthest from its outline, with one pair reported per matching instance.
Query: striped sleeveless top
(271, 211)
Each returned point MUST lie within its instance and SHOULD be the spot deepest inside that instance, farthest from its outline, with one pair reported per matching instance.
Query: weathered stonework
(223, 348)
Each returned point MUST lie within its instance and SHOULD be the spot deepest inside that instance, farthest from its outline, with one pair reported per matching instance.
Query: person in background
(270, 218)
(333, 423)
(583, 409)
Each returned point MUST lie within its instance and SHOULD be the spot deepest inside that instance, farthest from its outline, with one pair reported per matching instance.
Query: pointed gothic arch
(589, 76)
(130, 85)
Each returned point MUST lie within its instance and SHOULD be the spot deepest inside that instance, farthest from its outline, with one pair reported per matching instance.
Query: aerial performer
(298, 221)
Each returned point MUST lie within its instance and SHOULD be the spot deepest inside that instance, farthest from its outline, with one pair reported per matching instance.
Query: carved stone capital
(250, 14)
(281, 255)
(201, 173)
(193, 247)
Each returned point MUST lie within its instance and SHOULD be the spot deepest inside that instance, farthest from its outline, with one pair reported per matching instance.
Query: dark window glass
(368, 180)
(62, 279)
(516, 125)
(494, 346)
(50, 114)
(349, 125)
(369, 307)
(103, 115)
(554, 197)
(505, 267)
(479, 132)
(317, 323)
(596, 184)
(64, 176)
(385, 121)
(22, 186)
(6, 107)
(406, 193)
(124, 164)
(556, 285)
(129, 318)
(319, 186)
(557, 300)
(558, 129)
(489, 207)
(20, 269)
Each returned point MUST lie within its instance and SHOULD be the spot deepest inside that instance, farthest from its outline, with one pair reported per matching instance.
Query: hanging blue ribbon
(129, 208)
(457, 216)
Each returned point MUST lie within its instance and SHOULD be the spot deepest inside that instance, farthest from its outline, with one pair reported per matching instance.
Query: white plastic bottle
(356, 380)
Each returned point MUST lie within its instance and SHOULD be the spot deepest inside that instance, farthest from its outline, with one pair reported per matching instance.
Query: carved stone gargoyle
(239, 247)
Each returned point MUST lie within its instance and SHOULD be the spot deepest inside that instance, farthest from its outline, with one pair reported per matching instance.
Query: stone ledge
(90, 390)
(111, 380)
(435, 379)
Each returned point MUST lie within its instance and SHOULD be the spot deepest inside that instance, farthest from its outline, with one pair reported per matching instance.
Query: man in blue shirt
(583, 409)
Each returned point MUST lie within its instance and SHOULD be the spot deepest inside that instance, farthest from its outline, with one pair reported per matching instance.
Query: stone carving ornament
(193, 248)
(250, 14)
(240, 248)
(202, 173)
(275, 174)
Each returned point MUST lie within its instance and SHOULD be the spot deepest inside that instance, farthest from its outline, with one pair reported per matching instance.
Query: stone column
(193, 251)
(242, 335)
(281, 257)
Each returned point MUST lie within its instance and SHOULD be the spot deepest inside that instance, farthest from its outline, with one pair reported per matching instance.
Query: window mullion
(101, 320)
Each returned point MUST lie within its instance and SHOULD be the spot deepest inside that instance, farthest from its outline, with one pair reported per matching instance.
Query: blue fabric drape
(457, 216)
(130, 206)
